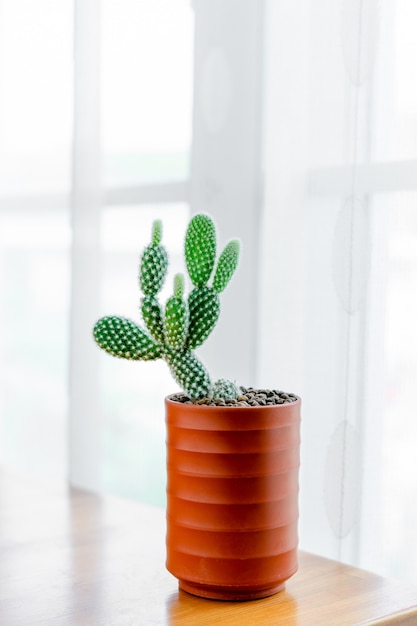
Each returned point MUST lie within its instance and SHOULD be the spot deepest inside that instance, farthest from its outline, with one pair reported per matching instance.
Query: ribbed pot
(232, 498)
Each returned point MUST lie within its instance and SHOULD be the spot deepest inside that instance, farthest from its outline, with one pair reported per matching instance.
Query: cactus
(173, 332)
(154, 263)
(123, 338)
(224, 389)
(176, 316)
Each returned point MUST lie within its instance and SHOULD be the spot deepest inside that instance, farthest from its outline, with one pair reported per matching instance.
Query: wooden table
(70, 557)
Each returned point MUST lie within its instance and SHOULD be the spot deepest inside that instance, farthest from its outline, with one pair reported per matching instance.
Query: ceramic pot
(232, 498)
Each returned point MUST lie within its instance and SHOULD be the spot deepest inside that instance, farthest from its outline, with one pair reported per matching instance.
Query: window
(95, 134)
(35, 238)
(339, 281)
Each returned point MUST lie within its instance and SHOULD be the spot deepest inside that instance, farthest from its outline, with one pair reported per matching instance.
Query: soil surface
(249, 397)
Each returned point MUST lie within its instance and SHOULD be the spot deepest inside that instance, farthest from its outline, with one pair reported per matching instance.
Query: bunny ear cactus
(120, 337)
(184, 324)
(200, 249)
(176, 316)
(200, 256)
(154, 264)
(152, 272)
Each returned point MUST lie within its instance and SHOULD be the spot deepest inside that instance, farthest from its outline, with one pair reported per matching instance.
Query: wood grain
(68, 558)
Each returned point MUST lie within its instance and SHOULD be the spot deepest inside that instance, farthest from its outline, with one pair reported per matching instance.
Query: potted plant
(232, 451)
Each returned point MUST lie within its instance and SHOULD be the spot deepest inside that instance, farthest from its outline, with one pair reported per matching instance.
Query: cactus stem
(179, 286)
(156, 232)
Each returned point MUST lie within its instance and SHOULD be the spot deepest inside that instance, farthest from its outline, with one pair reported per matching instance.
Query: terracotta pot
(232, 498)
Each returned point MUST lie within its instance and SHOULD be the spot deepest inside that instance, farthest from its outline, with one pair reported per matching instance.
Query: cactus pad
(224, 389)
(152, 316)
(200, 249)
(122, 338)
(226, 265)
(176, 316)
(188, 371)
(154, 263)
(204, 308)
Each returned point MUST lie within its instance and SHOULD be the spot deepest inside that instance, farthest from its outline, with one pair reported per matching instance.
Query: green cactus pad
(179, 286)
(123, 338)
(188, 371)
(226, 265)
(176, 316)
(200, 249)
(152, 317)
(224, 389)
(154, 263)
(204, 311)
(156, 233)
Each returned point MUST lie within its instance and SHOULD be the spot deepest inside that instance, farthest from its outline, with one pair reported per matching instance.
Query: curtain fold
(87, 195)
(334, 97)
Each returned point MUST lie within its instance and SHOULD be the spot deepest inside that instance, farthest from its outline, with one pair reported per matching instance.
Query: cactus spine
(175, 331)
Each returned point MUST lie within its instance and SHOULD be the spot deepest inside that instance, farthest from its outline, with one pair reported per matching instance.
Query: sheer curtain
(132, 134)
(339, 268)
(35, 236)
(95, 135)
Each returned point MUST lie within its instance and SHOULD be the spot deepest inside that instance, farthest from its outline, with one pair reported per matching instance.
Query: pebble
(249, 397)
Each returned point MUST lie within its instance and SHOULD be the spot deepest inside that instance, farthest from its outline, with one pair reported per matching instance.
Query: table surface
(71, 557)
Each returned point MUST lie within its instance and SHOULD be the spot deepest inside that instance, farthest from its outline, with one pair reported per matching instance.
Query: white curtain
(95, 134)
(35, 237)
(339, 268)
